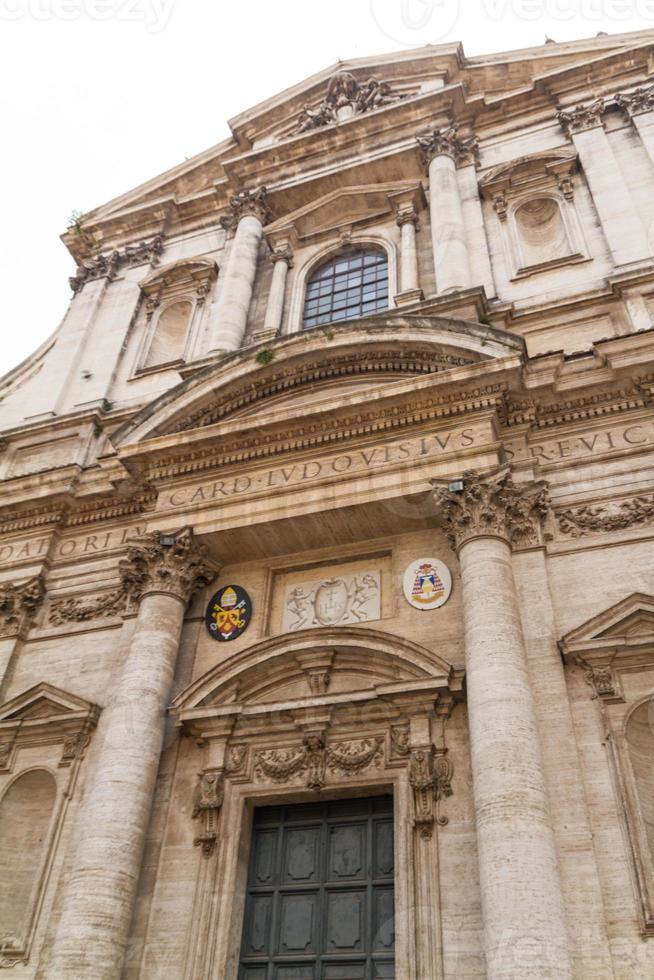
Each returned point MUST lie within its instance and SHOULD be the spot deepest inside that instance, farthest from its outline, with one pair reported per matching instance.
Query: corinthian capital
(174, 564)
(493, 508)
(582, 117)
(640, 100)
(247, 203)
(446, 142)
(18, 603)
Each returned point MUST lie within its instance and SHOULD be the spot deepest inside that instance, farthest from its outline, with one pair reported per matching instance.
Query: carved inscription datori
(344, 464)
(83, 545)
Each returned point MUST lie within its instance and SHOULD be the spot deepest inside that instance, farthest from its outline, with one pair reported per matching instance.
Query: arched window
(169, 339)
(541, 230)
(350, 285)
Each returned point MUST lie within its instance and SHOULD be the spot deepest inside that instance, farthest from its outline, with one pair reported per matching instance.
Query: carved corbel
(603, 680)
(208, 798)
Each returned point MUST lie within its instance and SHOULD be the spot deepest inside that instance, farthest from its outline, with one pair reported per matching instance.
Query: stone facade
(181, 433)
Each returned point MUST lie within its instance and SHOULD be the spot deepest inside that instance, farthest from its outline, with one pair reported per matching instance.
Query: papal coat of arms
(228, 613)
(427, 583)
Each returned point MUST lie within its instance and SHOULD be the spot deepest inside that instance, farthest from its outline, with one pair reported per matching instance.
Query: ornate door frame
(386, 737)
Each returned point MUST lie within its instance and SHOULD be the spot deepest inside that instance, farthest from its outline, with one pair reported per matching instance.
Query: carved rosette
(446, 142)
(582, 117)
(640, 100)
(18, 604)
(494, 508)
(172, 564)
(247, 202)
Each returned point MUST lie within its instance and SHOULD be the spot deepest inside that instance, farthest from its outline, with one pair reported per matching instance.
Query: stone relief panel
(333, 601)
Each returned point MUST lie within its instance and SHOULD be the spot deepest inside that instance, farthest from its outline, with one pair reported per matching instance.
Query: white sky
(97, 96)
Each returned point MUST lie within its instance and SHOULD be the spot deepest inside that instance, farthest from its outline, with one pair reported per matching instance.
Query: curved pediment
(346, 364)
(335, 663)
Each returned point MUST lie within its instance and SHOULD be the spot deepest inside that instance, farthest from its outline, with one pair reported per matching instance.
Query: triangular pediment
(44, 702)
(628, 625)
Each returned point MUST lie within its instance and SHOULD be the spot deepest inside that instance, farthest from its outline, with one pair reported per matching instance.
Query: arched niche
(168, 341)
(26, 813)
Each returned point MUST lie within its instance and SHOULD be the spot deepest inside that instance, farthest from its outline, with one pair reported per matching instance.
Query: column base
(408, 296)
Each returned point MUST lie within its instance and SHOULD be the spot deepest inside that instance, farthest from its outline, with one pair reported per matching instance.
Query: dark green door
(319, 904)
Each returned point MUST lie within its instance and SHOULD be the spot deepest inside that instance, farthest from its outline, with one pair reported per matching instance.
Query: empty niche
(541, 231)
(26, 811)
(169, 338)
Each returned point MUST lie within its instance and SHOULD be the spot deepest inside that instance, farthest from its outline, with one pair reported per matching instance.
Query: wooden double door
(319, 904)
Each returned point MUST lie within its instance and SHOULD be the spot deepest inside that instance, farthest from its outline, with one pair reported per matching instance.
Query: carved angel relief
(346, 97)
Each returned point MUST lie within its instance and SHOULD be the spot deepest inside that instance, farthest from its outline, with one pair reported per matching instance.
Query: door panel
(320, 893)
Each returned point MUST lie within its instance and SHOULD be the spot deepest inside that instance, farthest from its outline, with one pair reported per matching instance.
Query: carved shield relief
(331, 602)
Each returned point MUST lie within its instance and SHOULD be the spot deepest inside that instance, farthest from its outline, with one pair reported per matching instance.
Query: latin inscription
(357, 461)
(77, 547)
(574, 447)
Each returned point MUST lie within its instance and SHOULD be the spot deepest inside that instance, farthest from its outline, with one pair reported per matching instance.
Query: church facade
(327, 579)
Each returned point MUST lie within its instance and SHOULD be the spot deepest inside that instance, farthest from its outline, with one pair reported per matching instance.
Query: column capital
(18, 603)
(406, 215)
(446, 142)
(247, 202)
(636, 102)
(497, 508)
(582, 117)
(172, 564)
(282, 253)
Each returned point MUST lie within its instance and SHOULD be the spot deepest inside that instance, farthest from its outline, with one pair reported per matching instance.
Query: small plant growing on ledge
(264, 356)
(75, 222)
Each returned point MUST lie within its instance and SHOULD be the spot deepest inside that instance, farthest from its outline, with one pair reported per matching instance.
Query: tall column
(639, 107)
(283, 260)
(524, 926)
(249, 211)
(441, 152)
(618, 215)
(99, 892)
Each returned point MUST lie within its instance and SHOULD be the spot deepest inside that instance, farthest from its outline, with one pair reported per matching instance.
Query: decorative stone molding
(208, 799)
(173, 564)
(244, 203)
(582, 117)
(315, 757)
(19, 603)
(109, 264)
(346, 97)
(636, 102)
(83, 608)
(575, 522)
(446, 142)
(430, 777)
(493, 508)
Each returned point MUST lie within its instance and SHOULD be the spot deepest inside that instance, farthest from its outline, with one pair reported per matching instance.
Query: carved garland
(578, 521)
